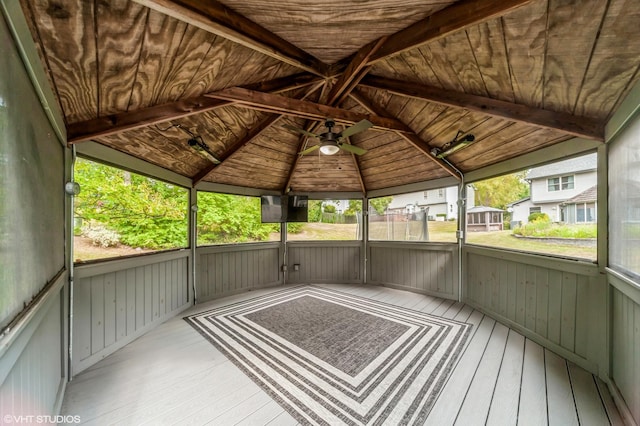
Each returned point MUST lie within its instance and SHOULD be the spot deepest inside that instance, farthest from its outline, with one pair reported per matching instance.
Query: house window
(586, 212)
(560, 183)
(496, 217)
(535, 210)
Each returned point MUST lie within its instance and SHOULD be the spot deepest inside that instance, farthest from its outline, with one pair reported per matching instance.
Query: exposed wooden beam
(116, 123)
(216, 18)
(458, 16)
(584, 127)
(410, 137)
(354, 72)
(254, 133)
(281, 104)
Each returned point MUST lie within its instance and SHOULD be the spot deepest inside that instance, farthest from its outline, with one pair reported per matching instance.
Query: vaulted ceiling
(145, 77)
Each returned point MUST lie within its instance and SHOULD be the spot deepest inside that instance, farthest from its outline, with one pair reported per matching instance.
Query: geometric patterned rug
(330, 358)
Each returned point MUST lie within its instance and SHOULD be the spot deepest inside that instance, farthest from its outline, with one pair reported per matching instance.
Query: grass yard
(438, 232)
(505, 239)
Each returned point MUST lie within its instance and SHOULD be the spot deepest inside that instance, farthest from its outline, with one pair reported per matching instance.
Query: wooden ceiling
(143, 77)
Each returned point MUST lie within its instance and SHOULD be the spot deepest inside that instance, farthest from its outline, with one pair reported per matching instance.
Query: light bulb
(329, 149)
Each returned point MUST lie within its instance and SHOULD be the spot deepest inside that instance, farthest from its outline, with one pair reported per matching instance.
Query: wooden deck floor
(172, 375)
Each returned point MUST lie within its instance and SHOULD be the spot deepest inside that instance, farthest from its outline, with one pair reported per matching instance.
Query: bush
(329, 208)
(554, 230)
(101, 236)
(295, 227)
(539, 217)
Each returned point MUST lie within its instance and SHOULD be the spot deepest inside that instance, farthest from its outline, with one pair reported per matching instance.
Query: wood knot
(58, 11)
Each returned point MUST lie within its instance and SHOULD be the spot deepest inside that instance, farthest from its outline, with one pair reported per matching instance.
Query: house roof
(573, 165)
(588, 196)
(144, 78)
(522, 200)
(481, 209)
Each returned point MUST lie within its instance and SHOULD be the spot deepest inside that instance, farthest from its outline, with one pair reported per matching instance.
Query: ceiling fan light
(329, 149)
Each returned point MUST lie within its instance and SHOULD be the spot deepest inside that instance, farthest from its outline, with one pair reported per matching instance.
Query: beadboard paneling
(562, 305)
(224, 270)
(427, 268)
(625, 343)
(32, 374)
(324, 262)
(115, 302)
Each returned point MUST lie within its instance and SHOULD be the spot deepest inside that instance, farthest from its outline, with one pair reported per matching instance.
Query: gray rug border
(295, 410)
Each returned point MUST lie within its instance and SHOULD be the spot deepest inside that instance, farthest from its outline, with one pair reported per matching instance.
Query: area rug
(328, 357)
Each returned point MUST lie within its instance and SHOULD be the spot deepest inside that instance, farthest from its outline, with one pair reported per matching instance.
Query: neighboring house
(442, 203)
(553, 185)
(482, 218)
(582, 207)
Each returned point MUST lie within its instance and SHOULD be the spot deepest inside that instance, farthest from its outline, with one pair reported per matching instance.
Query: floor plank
(172, 375)
(532, 409)
(506, 395)
(475, 406)
(588, 403)
(559, 394)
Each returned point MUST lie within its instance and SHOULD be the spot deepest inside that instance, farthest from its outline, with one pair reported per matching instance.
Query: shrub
(554, 230)
(329, 208)
(101, 236)
(539, 217)
(295, 227)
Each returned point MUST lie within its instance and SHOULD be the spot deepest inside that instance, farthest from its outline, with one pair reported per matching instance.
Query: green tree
(315, 211)
(355, 206)
(224, 218)
(144, 212)
(329, 208)
(502, 190)
(380, 204)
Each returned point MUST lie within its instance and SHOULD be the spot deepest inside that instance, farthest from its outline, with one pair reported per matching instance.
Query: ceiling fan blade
(298, 130)
(352, 148)
(360, 126)
(309, 150)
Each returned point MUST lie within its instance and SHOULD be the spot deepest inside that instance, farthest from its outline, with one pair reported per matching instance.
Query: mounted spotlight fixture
(202, 148)
(458, 142)
(195, 141)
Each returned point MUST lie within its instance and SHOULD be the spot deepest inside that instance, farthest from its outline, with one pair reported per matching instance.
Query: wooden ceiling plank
(119, 41)
(280, 104)
(524, 33)
(585, 127)
(216, 18)
(253, 133)
(116, 123)
(458, 16)
(410, 137)
(72, 58)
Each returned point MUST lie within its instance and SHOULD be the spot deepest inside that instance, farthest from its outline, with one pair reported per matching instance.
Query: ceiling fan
(331, 142)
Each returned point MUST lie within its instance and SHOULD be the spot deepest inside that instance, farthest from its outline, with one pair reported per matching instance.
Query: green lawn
(505, 239)
(444, 232)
